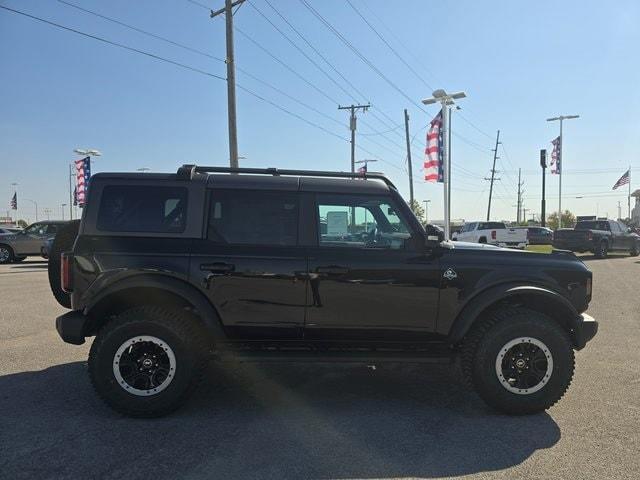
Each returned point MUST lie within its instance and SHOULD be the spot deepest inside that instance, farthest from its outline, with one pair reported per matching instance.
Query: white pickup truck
(493, 233)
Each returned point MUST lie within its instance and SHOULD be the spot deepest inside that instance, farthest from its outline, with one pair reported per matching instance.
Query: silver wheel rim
(169, 365)
(4, 254)
(504, 356)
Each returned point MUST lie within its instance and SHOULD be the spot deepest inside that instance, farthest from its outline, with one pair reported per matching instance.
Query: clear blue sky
(519, 63)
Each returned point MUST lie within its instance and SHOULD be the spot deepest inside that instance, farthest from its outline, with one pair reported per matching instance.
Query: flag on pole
(83, 174)
(14, 201)
(556, 161)
(434, 151)
(623, 180)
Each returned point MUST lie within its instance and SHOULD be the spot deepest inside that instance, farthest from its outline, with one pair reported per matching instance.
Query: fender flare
(490, 296)
(200, 303)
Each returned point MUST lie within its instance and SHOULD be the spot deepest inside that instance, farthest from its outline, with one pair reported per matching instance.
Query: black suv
(170, 270)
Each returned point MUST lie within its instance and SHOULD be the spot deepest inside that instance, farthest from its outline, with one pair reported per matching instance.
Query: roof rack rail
(187, 172)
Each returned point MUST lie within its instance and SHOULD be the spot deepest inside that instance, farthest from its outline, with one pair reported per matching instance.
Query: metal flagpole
(629, 197)
(560, 164)
(445, 169)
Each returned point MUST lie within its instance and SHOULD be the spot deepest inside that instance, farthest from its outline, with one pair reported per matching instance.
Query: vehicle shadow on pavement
(266, 421)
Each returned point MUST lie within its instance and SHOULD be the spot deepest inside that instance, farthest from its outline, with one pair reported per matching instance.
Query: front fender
(558, 306)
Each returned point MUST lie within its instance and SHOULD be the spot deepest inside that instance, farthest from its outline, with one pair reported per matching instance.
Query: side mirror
(434, 236)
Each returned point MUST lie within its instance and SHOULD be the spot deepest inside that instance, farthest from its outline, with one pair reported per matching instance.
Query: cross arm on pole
(215, 13)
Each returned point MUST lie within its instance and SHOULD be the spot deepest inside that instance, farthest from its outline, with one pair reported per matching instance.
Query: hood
(476, 246)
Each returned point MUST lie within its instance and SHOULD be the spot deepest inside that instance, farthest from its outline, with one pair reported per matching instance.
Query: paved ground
(297, 422)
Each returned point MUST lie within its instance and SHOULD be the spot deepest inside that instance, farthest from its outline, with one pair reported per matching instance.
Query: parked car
(538, 235)
(169, 270)
(493, 233)
(9, 230)
(599, 237)
(15, 247)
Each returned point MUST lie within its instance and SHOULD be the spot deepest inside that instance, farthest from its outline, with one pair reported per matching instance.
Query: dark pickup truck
(599, 237)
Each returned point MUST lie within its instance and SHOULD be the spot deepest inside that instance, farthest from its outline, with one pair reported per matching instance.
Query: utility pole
(520, 183)
(406, 133)
(543, 205)
(493, 172)
(524, 213)
(560, 163)
(629, 195)
(231, 79)
(353, 126)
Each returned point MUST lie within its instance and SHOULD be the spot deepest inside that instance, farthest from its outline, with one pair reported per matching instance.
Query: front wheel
(147, 361)
(635, 250)
(519, 361)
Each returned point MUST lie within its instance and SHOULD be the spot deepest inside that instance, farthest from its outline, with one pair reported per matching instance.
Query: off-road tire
(179, 330)
(484, 342)
(63, 242)
(602, 250)
(6, 259)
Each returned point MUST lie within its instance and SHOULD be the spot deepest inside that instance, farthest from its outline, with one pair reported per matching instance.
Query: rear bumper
(70, 327)
(519, 245)
(585, 329)
(573, 246)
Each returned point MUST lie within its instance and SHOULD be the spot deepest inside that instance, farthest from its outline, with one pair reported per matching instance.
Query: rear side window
(491, 226)
(253, 217)
(135, 208)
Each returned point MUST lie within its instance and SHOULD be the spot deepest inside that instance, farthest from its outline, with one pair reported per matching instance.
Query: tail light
(66, 271)
(589, 235)
(493, 234)
(528, 234)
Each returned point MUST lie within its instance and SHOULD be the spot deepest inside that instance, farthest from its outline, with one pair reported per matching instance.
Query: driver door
(370, 277)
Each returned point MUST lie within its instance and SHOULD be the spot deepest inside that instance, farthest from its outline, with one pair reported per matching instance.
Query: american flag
(556, 161)
(14, 201)
(83, 174)
(624, 180)
(434, 152)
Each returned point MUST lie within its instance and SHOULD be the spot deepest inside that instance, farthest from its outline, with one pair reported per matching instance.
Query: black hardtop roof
(266, 179)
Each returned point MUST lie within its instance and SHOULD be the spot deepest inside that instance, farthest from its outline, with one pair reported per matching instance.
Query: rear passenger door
(250, 265)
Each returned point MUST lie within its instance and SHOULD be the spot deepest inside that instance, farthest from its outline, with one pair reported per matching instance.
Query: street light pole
(445, 100)
(560, 164)
(35, 203)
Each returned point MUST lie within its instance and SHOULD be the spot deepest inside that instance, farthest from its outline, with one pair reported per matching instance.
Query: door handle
(333, 270)
(218, 268)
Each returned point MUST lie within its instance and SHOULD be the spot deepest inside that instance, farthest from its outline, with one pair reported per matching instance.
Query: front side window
(253, 217)
(360, 222)
(136, 208)
(35, 229)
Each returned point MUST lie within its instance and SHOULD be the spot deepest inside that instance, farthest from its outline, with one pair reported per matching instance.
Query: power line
(395, 52)
(202, 5)
(359, 54)
(115, 44)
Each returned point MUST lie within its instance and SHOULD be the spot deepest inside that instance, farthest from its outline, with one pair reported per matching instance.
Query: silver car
(17, 246)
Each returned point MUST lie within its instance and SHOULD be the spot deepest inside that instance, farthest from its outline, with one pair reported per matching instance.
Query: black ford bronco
(170, 270)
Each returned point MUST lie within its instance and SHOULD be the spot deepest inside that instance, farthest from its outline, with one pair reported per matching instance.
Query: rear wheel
(6, 254)
(147, 361)
(519, 361)
(602, 250)
(635, 250)
(62, 243)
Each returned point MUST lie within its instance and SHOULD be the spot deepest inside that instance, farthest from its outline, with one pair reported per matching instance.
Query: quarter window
(136, 208)
(253, 217)
(360, 222)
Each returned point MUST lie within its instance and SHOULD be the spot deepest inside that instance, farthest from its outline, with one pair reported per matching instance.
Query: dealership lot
(314, 421)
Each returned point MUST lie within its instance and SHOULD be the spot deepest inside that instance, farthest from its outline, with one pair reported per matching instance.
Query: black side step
(366, 357)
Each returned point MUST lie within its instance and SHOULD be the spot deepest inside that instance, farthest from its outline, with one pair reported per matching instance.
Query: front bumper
(70, 327)
(585, 329)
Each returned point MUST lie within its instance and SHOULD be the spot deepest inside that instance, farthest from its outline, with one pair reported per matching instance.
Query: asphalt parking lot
(310, 421)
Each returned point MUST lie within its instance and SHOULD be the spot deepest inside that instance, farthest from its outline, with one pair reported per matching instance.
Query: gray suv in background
(17, 246)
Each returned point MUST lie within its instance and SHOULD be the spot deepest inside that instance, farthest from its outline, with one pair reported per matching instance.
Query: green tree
(568, 220)
(417, 210)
